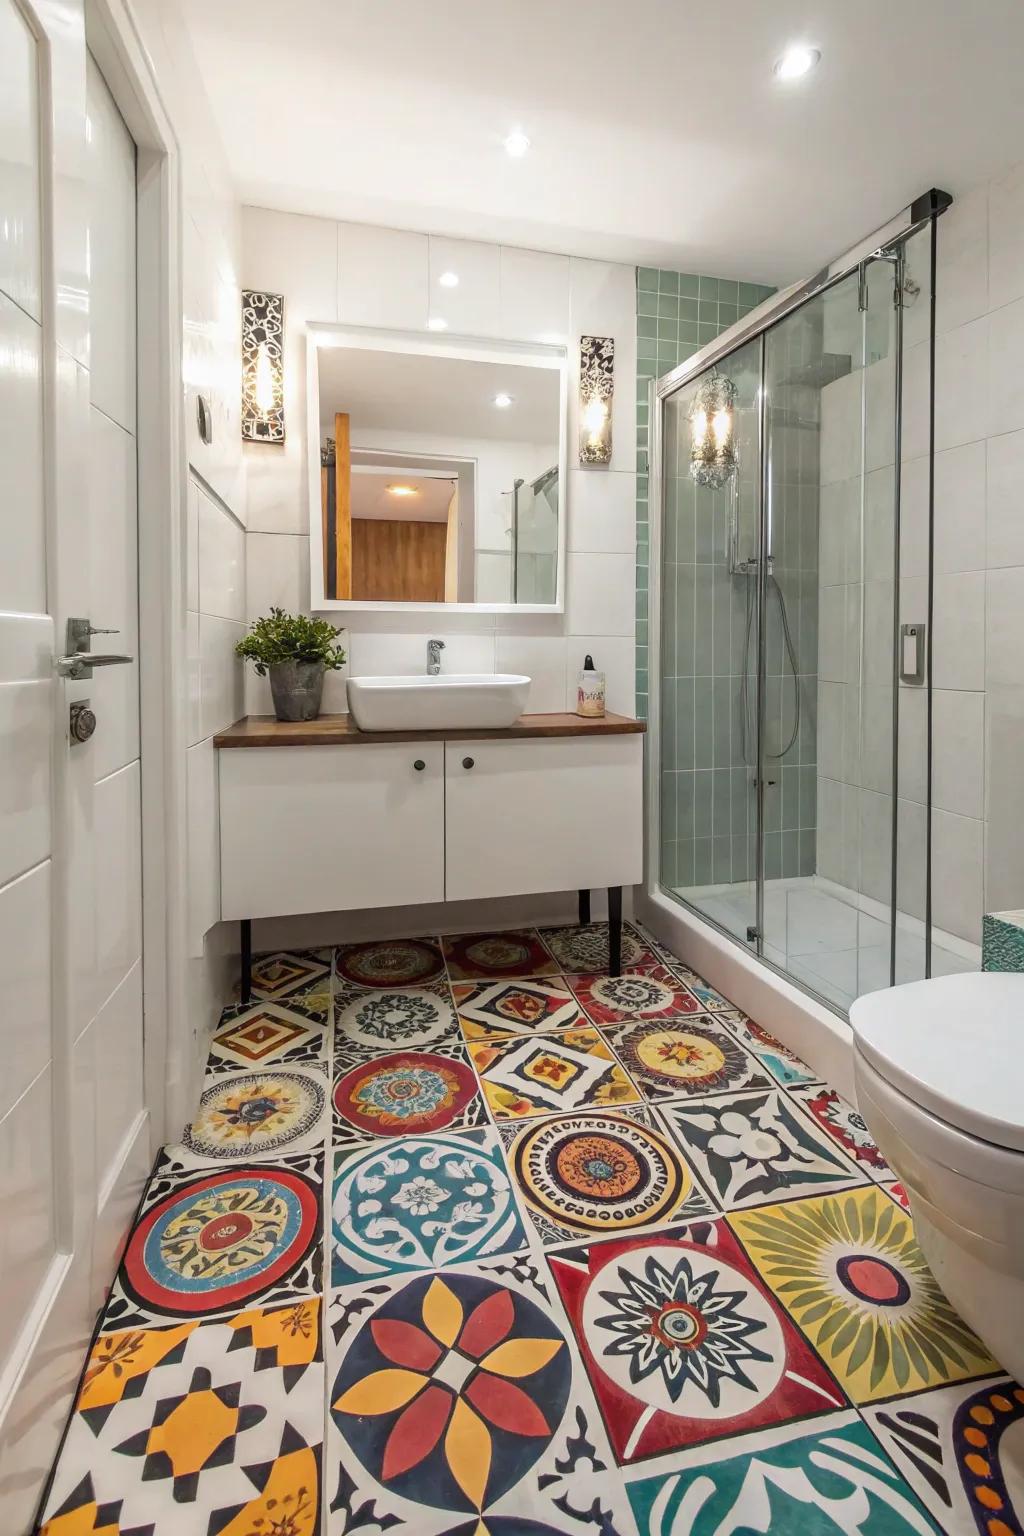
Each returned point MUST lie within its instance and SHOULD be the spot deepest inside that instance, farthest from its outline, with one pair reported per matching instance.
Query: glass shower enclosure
(790, 712)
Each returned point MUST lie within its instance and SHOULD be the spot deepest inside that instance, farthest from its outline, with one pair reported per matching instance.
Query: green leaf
(862, 1347)
(280, 636)
(900, 1363)
(879, 1358)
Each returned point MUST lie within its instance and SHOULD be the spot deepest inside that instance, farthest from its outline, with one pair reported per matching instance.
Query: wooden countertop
(341, 730)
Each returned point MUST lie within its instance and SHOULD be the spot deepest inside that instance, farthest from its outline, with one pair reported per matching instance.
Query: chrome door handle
(80, 665)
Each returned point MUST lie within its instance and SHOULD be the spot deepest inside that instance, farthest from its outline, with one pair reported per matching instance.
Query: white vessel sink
(448, 702)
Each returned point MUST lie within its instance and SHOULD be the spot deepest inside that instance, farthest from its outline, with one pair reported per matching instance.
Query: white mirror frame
(473, 349)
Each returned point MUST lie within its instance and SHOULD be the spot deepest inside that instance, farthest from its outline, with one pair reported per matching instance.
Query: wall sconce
(597, 367)
(262, 367)
(713, 457)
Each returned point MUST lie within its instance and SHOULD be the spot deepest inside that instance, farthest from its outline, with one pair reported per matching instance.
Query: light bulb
(449, 279)
(595, 414)
(503, 401)
(516, 145)
(700, 427)
(721, 426)
(435, 323)
(796, 61)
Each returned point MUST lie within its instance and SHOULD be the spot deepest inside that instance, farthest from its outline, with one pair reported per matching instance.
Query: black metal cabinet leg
(584, 906)
(245, 927)
(614, 930)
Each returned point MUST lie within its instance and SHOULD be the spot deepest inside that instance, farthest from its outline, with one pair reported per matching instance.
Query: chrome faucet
(434, 649)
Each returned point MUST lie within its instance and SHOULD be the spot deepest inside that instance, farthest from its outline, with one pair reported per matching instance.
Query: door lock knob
(83, 721)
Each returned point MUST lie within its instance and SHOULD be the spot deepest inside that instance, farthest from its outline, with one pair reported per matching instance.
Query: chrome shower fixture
(713, 458)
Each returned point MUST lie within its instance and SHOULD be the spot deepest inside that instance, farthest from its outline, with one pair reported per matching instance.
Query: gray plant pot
(297, 687)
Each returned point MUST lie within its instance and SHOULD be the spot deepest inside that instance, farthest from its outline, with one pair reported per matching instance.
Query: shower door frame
(923, 213)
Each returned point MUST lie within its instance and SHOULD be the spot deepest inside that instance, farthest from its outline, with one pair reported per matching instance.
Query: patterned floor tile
(829, 1479)
(584, 949)
(421, 1203)
(693, 1055)
(389, 963)
(210, 1242)
(753, 1147)
(846, 1126)
(652, 993)
(508, 956)
(214, 1426)
(962, 1450)
(849, 1271)
(268, 1034)
(291, 973)
(708, 998)
(389, 1019)
(539, 1076)
(458, 1406)
(494, 1010)
(682, 1342)
(785, 1067)
(403, 1093)
(591, 1174)
(257, 1114)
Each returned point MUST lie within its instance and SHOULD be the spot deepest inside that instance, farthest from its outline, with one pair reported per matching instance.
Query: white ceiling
(429, 503)
(659, 134)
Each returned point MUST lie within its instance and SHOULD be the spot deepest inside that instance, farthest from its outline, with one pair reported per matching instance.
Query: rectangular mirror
(437, 472)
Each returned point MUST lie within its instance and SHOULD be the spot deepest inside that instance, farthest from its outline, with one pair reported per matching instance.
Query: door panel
(23, 568)
(112, 326)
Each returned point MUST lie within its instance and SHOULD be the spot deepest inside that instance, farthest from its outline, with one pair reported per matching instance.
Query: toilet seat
(953, 1046)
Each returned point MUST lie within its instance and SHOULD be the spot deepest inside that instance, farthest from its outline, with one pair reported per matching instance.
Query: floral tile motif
(458, 1407)
(389, 963)
(494, 1010)
(805, 1481)
(257, 1114)
(753, 1147)
(214, 1426)
(291, 973)
(210, 1242)
(846, 1126)
(682, 1342)
(784, 1066)
(953, 1448)
(584, 949)
(403, 1093)
(850, 1273)
(651, 993)
(591, 1174)
(694, 1055)
(538, 1076)
(421, 1203)
(268, 1034)
(898, 1193)
(508, 956)
(388, 1019)
(709, 999)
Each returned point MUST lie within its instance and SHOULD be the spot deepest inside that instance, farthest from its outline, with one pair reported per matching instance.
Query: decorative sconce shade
(262, 367)
(597, 368)
(713, 431)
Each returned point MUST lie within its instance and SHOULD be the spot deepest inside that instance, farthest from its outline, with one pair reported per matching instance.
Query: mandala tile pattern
(390, 963)
(849, 1271)
(404, 1093)
(497, 956)
(652, 993)
(682, 1342)
(258, 1114)
(535, 1077)
(786, 1068)
(830, 1481)
(592, 1174)
(388, 1019)
(753, 1147)
(846, 1126)
(421, 1203)
(291, 973)
(267, 1034)
(585, 949)
(709, 999)
(674, 1058)
(494, 1010)
(962, 1449)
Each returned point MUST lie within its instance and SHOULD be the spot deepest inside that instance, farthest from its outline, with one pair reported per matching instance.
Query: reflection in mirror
(439, 475)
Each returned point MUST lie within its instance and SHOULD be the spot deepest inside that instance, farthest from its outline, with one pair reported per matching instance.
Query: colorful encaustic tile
(395, 1018)
(682, 1341)
(421, 1203)
(268, 1034)
(849, 1271)
(753, 1147)
(961, 1449)
(508, 956)
(257, 1114)
(782, 1063)
(210, 1242)
(403, 1093)
(212, 1426)
(584, 950)
(292, 973)
(709, 999)
(540, 1076)
(825, 1479)
(693, 1055)
(458, 1406)
(651, 993)
(494, 1010)
(591, 1174)
(389, 963)
(846, 1126)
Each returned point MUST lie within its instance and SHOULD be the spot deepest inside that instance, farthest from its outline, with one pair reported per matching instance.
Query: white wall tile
(223, 686)
(26, 1177)
(192, 548)
(1004, 842)
(914, 518)
(1004, 544)
(542, 659)
(19, 167)
(203, 844)
(602, 302)
(374, 655)
(1005, 627)
(958, 644)
(957, 874)
(960, 508)
(913, 727)
(382, 277)
(25, 1021)
(22, 569)
(277, 573)
(613, 655)
(534, 295)
(962, 413)
(117, 821)
(961, 289)
(1006, 379)
(602, 511)
(840, 429)
(473, 307)
(26, 723)
(195, 679)
(112, 354)
(601, 596)
(912, 838)
(1006, 238)
(222, 562)
(958, 752)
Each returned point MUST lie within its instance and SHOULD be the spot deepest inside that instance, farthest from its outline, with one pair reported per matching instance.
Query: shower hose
(745, 681)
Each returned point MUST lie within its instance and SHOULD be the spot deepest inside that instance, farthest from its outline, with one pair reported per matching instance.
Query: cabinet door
(329, 829)
(549, 815)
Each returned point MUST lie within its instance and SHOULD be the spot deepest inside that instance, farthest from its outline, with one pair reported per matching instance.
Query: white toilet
(940, 1082)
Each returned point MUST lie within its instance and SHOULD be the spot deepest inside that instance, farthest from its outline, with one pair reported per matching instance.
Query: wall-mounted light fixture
(713, 457)
(597, 369)
(262, 367)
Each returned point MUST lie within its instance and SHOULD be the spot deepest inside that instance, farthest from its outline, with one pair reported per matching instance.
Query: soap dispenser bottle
(590, 690)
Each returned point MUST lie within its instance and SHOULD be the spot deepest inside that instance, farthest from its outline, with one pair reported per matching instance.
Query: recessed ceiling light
(796, 61)
(503, 401)
(435, 323)
(517, 144)
(449, 279)
(402, 490)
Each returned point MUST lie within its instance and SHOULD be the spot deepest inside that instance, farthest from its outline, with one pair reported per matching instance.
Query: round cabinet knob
(419, 765)
(467, 762)
(83, 722)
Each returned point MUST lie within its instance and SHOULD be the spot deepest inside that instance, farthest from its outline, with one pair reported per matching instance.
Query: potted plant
(294, 651)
